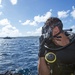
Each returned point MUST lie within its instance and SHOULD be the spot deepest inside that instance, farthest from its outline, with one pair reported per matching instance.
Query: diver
(56, 49)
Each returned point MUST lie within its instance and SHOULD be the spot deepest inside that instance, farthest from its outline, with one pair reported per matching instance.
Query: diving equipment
(71, 36)
(50, 57)
(47, 30)
(50, 37)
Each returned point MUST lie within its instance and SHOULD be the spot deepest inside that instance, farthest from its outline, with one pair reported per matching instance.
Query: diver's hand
(41, 51)
(41, 48)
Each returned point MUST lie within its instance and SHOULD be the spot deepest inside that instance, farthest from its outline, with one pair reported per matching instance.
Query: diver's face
(55, 31)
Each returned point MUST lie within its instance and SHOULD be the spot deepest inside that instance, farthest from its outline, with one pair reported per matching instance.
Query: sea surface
(19, 55)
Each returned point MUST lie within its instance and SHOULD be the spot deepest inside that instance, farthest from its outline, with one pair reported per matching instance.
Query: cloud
(36, 32)
(63, 14)
(73, 12)
(29, 22)
(38, 19)
(8, 29)
(13, 2)
(33, 23)
(4, 22)
(73, 26)
(20, 21)
(26, 22)
(42, 18)
(0, 3)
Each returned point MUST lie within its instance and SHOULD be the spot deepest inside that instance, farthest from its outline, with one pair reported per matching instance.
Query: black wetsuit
(67, 55)
(65, 60)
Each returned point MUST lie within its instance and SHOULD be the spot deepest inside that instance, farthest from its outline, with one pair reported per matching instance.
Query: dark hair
(54, 21)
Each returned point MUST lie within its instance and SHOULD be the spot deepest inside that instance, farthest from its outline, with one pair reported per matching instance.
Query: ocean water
(19, 55)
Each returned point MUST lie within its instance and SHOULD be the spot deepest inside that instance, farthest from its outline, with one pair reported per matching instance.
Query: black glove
(41, 48)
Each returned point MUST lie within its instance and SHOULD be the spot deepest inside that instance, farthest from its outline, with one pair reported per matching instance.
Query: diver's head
(55, 24)
(52, 26)
(54, 21)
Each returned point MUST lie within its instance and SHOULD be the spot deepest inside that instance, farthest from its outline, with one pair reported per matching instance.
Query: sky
(26, 17)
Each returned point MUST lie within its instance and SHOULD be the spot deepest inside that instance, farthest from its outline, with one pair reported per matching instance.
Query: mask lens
(46, 31)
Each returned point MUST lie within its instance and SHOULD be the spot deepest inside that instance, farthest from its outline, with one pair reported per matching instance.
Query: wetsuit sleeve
(41, 48)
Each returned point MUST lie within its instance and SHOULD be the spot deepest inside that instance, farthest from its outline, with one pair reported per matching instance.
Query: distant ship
(7, 37)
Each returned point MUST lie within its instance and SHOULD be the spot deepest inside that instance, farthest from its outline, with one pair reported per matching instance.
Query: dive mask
(46, 31)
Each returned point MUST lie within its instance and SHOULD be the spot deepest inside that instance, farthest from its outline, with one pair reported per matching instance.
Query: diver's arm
(43, 67)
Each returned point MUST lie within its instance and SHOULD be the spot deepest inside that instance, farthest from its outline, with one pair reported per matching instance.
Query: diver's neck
(62, 41)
